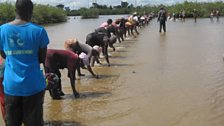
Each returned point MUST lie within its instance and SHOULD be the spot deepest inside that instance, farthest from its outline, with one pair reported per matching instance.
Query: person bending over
(86, 53)
(60, 59)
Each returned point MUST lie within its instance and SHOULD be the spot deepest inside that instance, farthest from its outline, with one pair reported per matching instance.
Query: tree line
(45, 14)
(42, 14)
(203, 9)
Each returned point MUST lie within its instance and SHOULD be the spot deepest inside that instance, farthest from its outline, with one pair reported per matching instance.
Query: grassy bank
(42, 14)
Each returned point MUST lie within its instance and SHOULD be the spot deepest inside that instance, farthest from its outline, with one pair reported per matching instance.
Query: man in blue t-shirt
(24, 46)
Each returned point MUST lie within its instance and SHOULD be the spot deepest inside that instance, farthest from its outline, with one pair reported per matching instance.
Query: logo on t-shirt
(15, 40)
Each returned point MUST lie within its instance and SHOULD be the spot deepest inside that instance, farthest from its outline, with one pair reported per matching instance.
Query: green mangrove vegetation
(45, 14)
(42, 14)
(203, 9)
(7, 12)
(89, 13)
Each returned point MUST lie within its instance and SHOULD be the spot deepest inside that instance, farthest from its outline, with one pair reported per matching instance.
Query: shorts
(85, 58)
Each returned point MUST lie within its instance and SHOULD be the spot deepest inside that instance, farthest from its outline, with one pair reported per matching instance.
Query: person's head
(24, 9)
(161, 8)
(135, 13)
(109, 21)
(68, 45)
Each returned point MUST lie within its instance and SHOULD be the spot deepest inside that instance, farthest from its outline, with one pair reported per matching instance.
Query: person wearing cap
(162, 18)
(23, 45)
(85, 52)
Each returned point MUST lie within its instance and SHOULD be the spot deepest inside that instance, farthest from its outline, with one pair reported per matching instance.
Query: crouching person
(85, 52)
(101, 40)
(60, 59)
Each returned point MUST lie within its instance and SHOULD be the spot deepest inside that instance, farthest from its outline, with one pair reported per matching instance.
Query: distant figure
(217, 15)
(174, 17)
(211, 15)
(183, 15)
(162, 19)
(195, 15)
(180, 15)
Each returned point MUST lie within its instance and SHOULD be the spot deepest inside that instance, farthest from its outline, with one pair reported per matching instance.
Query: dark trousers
(162, 24)
(24, 109)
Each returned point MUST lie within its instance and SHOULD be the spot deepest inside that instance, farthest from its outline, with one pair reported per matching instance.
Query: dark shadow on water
(100, 76)
(61, 123)
(116, 64)
(94, 94)
(119, 57)
(130, 40)
(121, 51)
(120, 65)
(107, 76)
(87, 95)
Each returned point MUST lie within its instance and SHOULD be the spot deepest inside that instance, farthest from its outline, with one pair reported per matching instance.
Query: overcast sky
(74, 4)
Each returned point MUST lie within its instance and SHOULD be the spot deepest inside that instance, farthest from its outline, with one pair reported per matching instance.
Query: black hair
(24, 9)
(109, 21)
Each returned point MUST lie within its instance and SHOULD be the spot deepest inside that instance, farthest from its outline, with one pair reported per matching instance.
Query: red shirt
(60, 59)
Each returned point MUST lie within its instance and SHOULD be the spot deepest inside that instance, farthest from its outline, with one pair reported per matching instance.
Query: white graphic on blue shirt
(15, 40)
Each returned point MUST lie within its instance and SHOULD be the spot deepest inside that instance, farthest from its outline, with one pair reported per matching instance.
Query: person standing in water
(217, 15)
(24, 46)
(195, 15)
(162, 17)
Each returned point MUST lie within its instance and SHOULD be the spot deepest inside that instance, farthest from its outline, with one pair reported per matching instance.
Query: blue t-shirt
(21, 43)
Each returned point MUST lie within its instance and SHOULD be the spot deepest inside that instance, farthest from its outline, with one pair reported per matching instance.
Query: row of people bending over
(84, 55)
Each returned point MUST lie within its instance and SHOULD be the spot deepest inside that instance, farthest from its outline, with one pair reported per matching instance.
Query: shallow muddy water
(157, 79)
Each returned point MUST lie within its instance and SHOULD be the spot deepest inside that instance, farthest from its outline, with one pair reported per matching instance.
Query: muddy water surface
(172, 79)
